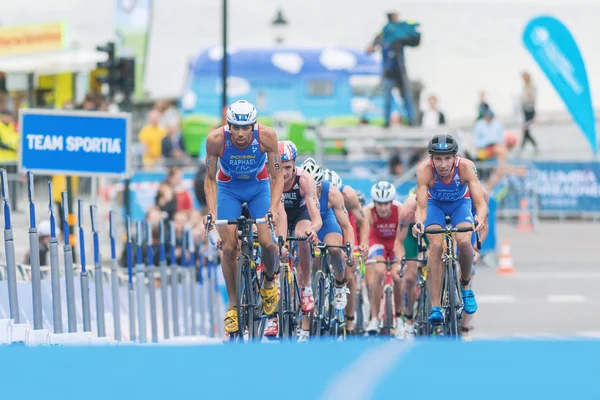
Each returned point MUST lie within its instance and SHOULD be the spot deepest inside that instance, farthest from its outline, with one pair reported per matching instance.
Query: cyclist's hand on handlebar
(312, 236)
(274, 218)
(284, 254)
(479, 225)
(364, 251)
(209, 220)
(418, 228)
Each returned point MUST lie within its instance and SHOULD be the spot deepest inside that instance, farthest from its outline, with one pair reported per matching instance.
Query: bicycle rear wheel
(423, 307)
(359, 325)
(388, 322)
(319, 310)
(285, 310)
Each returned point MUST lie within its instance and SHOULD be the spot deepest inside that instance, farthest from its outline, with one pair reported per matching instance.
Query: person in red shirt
(383, 215)
(183, 196)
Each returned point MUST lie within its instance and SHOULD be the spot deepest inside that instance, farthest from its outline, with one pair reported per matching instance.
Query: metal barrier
(31, 296)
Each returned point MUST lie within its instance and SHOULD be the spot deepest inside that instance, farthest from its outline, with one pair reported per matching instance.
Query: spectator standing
(528, 100)
(183, 196)
(166, 200)
(151, 136)
(483, 105)
(392, 40)
(173, 148)
(433, 117)
(488, 138)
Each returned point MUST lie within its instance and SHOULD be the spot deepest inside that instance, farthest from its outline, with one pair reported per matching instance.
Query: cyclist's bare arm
(281, 229)
(214, 149)
(336, 202)
(468, 174)
(268, 143)
(424, 178)
(308, 189)
(353, 206)
(400, 235)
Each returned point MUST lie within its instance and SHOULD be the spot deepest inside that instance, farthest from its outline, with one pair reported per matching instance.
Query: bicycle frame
(422, 326)
(289, 305)
(249, 302)
(325, 320)
(387, 308)
(451, 298)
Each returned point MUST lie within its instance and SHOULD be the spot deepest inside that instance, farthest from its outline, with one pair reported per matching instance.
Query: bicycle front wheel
(452, 309)
(241, 297)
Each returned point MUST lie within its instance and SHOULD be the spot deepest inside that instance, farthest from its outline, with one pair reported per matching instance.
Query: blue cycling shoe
(470, 305)
(435, 316)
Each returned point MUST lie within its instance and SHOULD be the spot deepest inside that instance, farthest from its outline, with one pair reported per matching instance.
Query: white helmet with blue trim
(383, 192)
(333, 177)
(241, 113)
(314, 169)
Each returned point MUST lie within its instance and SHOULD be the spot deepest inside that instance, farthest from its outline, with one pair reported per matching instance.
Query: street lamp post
(279, 24)
(224, 72)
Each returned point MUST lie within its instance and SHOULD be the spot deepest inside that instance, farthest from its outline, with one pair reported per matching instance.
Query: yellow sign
(32, 38)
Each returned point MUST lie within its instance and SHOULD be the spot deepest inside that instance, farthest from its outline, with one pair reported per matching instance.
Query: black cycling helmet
(443, 144)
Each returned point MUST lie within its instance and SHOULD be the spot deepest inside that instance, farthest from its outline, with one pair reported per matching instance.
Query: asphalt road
(554, 291)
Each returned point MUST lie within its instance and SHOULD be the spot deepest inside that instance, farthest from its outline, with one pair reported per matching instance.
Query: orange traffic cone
(524, 222)
(505, 266)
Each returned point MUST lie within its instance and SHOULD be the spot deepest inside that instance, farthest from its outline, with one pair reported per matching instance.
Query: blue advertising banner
(75, 142)
(557, 54)
(568, 186)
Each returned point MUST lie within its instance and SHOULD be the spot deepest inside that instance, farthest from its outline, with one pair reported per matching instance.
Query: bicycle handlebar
(435, 231)
(347, 248)
(239, 222)
(386, 262)
(296, 239)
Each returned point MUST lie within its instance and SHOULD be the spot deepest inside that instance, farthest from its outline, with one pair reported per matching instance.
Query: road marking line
(565, 298)
(554, 275)
(496, 299)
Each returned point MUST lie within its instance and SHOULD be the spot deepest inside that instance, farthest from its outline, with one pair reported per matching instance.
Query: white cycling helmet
(333, 177)
(241, 113)
(383, 192)
(314, 169)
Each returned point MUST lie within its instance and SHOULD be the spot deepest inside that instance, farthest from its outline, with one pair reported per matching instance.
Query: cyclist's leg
(307, 300)
(229, 207)
(376, 253)
(352, 287)
(331, 233)
(397, 293)
(259, 207)
(435, 219)
(461, 217)
(304, 259)
(409, 280)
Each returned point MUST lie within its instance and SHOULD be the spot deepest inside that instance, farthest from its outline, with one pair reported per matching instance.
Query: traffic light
(127, 75)
(112, 67)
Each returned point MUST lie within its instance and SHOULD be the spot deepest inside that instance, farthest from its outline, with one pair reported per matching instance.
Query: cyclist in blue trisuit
(248, 171)
(335, 230)
(360, 227)
(448, 185)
